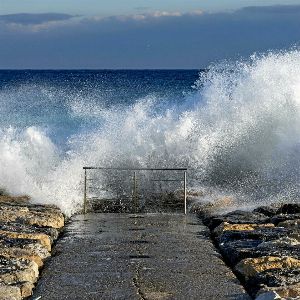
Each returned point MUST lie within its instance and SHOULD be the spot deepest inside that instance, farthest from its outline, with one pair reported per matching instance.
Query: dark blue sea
(51, 99)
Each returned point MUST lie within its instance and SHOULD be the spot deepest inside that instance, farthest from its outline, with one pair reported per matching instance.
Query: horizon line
(103, 69)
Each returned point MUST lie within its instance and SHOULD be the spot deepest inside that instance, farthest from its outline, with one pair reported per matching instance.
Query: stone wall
(27, 233)
(261, 246)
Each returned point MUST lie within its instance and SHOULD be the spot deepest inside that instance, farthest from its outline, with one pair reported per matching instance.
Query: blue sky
(116, 7)
(140, 34)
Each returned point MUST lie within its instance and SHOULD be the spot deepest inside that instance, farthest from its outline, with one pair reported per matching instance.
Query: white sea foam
(239, 132)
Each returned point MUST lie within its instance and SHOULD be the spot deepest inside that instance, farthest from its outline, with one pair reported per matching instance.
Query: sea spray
(238, 131)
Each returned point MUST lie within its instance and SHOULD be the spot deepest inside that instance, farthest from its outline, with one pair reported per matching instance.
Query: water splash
(239, 132)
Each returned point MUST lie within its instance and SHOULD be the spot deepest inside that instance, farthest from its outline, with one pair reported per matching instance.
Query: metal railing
(134, 183)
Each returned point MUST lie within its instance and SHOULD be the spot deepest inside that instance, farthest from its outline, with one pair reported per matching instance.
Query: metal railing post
(85, 189)
(134, 192)
(185, 196)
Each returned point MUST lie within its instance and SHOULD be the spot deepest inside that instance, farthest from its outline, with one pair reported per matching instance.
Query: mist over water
(237, 129)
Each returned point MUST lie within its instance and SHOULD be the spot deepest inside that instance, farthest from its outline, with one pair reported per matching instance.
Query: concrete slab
(146, 256)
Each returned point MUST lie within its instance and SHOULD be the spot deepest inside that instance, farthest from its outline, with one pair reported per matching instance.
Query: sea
(235, 125)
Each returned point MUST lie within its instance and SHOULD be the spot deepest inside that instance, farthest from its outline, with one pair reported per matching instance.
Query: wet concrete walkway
(150, 256)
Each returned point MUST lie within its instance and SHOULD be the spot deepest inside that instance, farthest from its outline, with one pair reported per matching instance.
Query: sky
(117, 7)
(142, 34)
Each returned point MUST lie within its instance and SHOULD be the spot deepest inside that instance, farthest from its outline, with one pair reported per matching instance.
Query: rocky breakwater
(27, 233)
(262, 247)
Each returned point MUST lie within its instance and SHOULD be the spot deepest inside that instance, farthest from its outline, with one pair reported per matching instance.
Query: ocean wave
(238, 131)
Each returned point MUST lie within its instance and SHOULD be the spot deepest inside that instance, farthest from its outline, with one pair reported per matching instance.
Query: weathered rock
(14, 200)
(261, 234)
(269, 295)
(33, 215)
(26, 289)
(37, 249)
(21, 253)
(17, 270)
(239, 241)
(291, 251)
(282, 242)
(292, 224)
(16, 291)
(14, 230)
(289, 208)
(26, 233)
(10, 292)
(236, 251)
(43, 207)
(10, 213)
(53, 233)
(236, 217)
(284, 217)
(225, 226)
(275, 278)
(43, 238)
(250, 267)
(291, 291)
(47, 219)
(24, 201)
(268, 211)
(26, 228)
(284, 292)
(264, 255)
(31, 245)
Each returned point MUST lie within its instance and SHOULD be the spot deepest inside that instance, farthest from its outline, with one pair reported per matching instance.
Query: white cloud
(47, 24)
(159, 14)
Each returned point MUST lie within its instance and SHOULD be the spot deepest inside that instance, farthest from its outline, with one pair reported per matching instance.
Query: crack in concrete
(137, 276)
(135, 281)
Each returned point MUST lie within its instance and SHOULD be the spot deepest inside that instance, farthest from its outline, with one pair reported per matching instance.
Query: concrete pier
(144, 256)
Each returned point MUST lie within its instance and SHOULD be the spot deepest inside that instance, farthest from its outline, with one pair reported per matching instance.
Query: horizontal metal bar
(96, 188)
(103, 199)
(112, 199)
(135, 169)
(167, 180)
